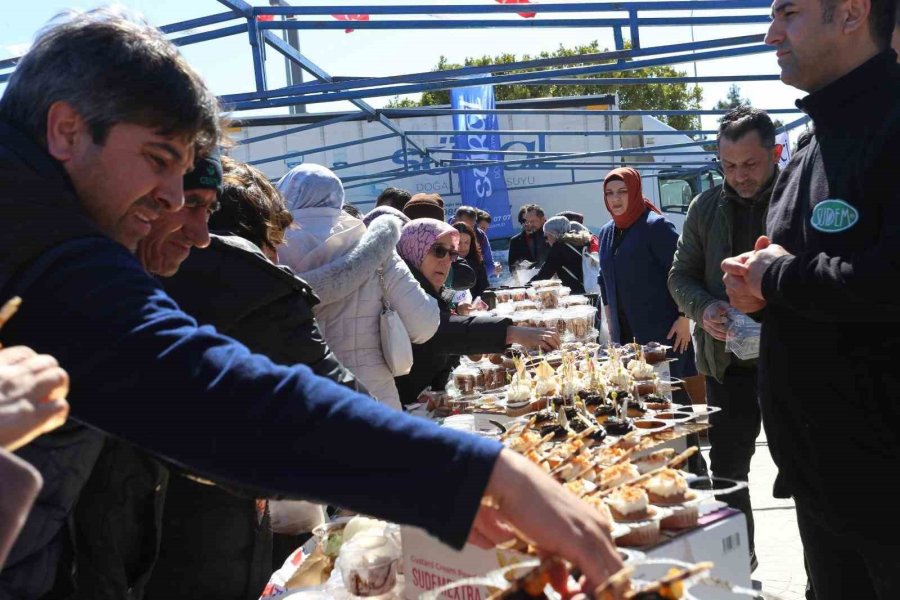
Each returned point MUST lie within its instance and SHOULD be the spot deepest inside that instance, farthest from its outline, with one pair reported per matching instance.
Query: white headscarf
(311, 186)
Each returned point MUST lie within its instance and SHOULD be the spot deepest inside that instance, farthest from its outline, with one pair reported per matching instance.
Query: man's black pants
(843, 565)
(733, 433)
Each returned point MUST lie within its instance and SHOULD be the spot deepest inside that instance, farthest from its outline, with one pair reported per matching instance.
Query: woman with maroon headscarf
(636, 251)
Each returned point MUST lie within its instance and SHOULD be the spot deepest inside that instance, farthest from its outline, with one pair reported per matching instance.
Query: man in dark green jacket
(721, 222)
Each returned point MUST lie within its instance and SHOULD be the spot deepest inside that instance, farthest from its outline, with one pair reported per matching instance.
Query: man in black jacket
(529, 244)
(831, 331)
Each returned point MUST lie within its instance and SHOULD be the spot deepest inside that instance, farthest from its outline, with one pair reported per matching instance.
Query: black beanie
(206, 175)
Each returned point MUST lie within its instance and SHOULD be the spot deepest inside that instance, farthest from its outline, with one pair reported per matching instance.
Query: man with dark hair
(425, 206)
(572, 216)
(394, 197)
(529, 245)
(88, 161)
(721, 222)
(484, 220)
(832, 320)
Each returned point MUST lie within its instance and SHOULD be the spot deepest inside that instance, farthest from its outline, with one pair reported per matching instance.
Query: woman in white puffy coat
(341, 259)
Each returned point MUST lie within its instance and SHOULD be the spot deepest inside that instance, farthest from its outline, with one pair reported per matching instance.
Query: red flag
(265, 17)
(351, 18)
(527, 15)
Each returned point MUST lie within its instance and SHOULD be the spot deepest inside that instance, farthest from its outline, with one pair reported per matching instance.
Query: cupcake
(669, 489)
(643, 387)
(654, 460)
(576, 486)
(657, 402)
(631, 505)
(654, 353)
(617, 426)
(618, 474)
(636, 411)
(610, 454)
(591, 398)
(519, 391)
(601, 507)
(604, 412)
(523, 441)
(639, 369)
(558, 431)
(580, 467)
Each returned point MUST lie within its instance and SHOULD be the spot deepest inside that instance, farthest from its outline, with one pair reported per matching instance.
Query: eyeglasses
(440, 252)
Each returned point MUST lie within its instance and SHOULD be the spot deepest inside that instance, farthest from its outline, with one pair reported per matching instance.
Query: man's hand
(533, 337)
(744, 273)
(714, 319)
(528, 502)
(33, 388)
(463, 309)
(681, 331)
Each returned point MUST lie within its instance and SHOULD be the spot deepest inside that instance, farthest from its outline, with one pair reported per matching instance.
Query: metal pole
(293, 74)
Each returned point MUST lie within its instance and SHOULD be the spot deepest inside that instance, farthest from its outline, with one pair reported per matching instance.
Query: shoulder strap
(384, 299)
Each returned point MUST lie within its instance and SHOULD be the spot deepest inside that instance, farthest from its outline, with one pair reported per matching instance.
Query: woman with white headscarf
(341, 260)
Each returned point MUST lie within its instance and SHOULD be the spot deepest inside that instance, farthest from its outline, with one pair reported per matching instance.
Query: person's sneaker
(753, 562)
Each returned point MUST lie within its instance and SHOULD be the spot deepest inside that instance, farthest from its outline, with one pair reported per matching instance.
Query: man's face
(748, 165)
(483, 225)
(130, 181)
(173, 234)
(533, 221)
(806, 46)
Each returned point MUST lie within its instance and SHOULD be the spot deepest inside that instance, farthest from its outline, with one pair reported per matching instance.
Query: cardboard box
(722, 539)
(428, 564)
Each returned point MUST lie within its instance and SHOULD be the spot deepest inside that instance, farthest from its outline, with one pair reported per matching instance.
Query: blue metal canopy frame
(623, 18)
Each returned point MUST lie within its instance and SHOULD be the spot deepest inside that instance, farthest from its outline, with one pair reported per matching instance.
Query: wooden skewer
(534, 445)
(509, 432)
(565, 461)
(585, 471)
(9, 309)
(589, 431)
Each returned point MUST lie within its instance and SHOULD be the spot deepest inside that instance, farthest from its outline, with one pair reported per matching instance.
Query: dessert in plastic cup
(669, 489)
(368, 564)
(630, 505)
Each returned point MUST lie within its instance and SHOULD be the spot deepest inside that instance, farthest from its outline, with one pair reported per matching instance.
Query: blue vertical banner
(481, 187)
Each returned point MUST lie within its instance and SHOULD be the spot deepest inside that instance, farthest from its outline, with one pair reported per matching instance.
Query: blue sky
(227, 67)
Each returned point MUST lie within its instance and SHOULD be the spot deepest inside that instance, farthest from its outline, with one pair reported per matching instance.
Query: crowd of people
(197, 370)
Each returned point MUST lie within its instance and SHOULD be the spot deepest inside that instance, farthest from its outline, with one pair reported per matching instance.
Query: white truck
(367, 167)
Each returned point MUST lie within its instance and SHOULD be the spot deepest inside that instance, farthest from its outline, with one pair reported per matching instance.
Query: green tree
(666, 96)
(733, 99)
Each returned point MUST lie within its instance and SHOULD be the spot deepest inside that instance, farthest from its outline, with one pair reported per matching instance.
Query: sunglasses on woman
(440, 252)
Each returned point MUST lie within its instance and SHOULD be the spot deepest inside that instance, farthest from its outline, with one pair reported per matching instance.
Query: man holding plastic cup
(721, 222)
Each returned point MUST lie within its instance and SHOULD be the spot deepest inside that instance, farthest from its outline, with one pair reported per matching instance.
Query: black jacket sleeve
(552, 265)
(470, 335)
(518, 251)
